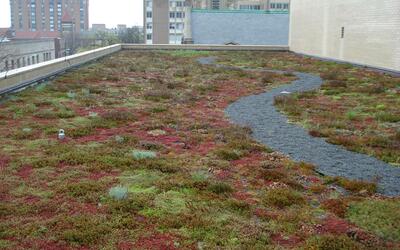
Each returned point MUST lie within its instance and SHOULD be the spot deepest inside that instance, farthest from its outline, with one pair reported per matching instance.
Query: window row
(178, 14)
(176, 4)
(284, 6)
(26, 61)
(250, 7)
(176, 26)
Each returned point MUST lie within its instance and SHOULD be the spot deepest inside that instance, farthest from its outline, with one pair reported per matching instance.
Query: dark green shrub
(337, 84)
(332, 242)
(273, 175)
(289, 74)
(109, 162)
(388, 117)
(118, 115)
(228, 154)
(102, 123)
(239, 206)
(374, 89)
(159, 110)
(46, 114)
(64, 114)
(358, 185)
(158, 95)
(77, 157)
(220, 188)
(283, 197)
(268, 77)
(161, 164)
(85, 230)
(79, 132)
(87, 190)
(153, 146)
(246, 144)
(331, 75)
(397, 135)
(45, 162)
(113, 78)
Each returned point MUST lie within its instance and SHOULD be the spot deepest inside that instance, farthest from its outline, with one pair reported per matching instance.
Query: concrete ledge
(22, 77)
(209, 47)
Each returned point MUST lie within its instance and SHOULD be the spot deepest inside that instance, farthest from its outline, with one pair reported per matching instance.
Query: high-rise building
(164, 20)
(46, 15)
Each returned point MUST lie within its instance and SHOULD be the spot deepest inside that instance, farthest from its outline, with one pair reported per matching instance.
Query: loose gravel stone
(271, 128)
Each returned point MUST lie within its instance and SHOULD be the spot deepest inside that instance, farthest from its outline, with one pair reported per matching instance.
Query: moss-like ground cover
(356, 108)
(150, 162)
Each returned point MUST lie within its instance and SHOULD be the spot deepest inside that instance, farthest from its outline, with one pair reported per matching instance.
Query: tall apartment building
(46, 15)
(164, 20)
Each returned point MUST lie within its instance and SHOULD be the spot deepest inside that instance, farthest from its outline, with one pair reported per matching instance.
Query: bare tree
(131, 35)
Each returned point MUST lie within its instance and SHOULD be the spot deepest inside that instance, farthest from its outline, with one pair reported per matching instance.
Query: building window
(149, 14)
(52, 14)
(179, 26)
(18, 63)
(250, 7)
(23, 62)
(149, 26)
(33, 60)
(59, 14)
(43, 15)
(148, 36)
(6, 64)
(37, 59)
(33, 15)
(215, 4)
(342, 33)
(286, 6)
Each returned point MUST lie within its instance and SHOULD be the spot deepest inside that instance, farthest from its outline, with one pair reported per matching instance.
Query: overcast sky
(110, 12)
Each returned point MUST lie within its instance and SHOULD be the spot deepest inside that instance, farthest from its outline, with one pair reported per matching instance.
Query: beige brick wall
(371, 30)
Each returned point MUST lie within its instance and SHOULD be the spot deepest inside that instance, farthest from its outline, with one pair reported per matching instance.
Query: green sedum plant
(118, 193)
(140, 155)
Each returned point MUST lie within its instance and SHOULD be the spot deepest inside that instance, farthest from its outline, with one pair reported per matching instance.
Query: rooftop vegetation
(149, 160)
(356, 108)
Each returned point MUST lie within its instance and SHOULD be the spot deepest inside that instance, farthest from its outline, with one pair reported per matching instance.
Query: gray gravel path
(271, 128)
